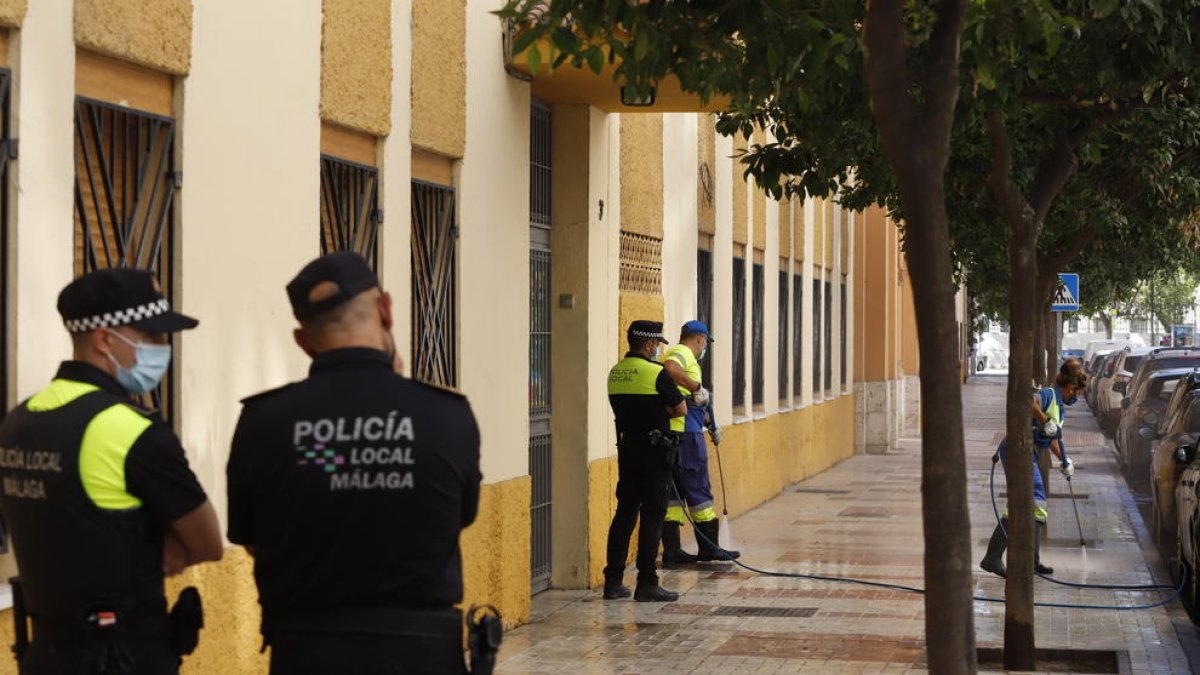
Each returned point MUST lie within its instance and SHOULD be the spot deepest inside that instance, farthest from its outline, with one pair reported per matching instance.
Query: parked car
(1143, 407)
(1103, 347)
(1188, 385)
(1070, 354)
(1115, 385)
(1161, 358)
(1092, 393)
(1165, 469)
(1187, 500)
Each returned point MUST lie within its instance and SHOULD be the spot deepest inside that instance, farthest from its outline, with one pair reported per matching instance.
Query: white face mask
(151, 362)
(702, 353)
(658, 353)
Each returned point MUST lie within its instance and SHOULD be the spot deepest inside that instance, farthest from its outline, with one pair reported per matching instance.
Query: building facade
(520, 223)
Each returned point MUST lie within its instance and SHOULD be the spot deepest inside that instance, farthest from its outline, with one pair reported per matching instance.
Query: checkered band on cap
(640, 333)
(118, 318)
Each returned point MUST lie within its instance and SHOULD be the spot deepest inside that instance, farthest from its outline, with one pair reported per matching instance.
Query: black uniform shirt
(636, 414)
(156, 468)
(352, 487)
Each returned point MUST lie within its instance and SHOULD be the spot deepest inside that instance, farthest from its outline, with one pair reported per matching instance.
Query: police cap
(646, 330)
(346, 270)
(119, 297)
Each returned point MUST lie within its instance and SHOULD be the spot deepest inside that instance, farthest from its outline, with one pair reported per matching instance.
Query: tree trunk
(1107, 321)
(1053, 340)
(1039, 345)
(1024, 316)
(916, 141)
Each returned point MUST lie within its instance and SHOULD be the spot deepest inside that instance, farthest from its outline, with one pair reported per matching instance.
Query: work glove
(701, 397)
(1067, 468)
(715, 433)
(1050, 428)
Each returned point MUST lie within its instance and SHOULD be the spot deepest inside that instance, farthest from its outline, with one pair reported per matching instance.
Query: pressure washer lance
(1076, 508)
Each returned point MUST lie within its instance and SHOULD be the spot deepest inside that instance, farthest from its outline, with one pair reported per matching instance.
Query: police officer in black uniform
(350, 488)
(98, 495)
(643, 399)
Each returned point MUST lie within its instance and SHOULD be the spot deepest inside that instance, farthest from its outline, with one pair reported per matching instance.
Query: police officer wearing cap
(350, 489)
(98, 495)
(643, 400)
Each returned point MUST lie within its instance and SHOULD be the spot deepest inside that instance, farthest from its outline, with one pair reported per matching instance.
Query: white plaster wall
(395, 174)
(493, 266)
(42, 233)
(249, 210)
(722, 361)
(810, 223)
(604, 246)
(771, 310)
(680, 238)
(837, 345)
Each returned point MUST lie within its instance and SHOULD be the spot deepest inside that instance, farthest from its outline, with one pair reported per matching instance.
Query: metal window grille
(845, 345)
(125, 185)
(739, 332)
(828, 335)
(6, 155)
(540, 441)
(434, 284)
(350, 214)
(756, 332)
(816, 336)
(797, 334)
(783, 335)
(704, 306)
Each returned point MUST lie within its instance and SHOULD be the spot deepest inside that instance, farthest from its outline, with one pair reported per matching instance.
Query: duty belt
(133, 627)
(383, 621)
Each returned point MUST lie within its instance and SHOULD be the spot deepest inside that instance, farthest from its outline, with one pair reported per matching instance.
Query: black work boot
(1038, 567)
(614, 590)
(650, 591)
(993, 560)
(708, 534)
(673, 553)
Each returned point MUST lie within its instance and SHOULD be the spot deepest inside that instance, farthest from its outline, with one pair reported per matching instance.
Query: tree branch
(941, 74)
(1055, 262)
(1012, 204)
(1054, 170)
(887, 72)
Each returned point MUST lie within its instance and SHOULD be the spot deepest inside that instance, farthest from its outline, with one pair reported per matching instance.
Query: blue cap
(695, 327)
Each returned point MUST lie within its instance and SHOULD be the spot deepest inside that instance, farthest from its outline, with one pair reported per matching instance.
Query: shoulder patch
(267, 394)
(441, 388)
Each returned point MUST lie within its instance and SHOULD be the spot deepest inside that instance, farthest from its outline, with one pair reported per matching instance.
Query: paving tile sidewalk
(862, 519)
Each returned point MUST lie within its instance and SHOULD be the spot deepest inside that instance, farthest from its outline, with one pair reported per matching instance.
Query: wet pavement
(861, 519)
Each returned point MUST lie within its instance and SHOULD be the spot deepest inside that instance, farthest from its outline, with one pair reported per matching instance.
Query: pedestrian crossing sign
(1066, 296)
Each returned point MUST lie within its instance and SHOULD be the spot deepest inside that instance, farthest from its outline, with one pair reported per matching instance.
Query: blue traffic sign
(1066, 296)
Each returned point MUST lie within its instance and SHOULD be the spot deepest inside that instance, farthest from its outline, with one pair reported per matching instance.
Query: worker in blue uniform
(1047, 422)
(692, 486)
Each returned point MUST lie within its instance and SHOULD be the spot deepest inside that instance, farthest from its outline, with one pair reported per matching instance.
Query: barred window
(125, 185)
(828, 335)
(704, 306)
(350, 214)
(797, 334)
(738, 395)
(756, 332)
(782, 333)
(845, 344)
(816, 336)
(434, 284)
(6, 155)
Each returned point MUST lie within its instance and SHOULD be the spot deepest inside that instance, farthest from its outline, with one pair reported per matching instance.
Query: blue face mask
(149, 367)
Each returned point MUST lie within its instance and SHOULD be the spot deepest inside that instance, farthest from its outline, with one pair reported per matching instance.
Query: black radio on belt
(485, 630)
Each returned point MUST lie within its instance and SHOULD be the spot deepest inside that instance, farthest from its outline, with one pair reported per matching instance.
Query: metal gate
(539, 347)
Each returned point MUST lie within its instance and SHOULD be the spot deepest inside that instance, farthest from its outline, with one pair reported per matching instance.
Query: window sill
(740, 418)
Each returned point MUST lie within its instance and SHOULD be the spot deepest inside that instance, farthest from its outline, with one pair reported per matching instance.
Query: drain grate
(773, 612)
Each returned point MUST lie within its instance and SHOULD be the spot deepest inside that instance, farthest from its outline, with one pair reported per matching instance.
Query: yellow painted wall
(439, 75)
(740, 208)
(760, 458)
(356, 64)
(829, 234)
(635, 306)
(785, 227)
(642, 174)
(154, 33)
(798, 206)
(706, 147)
(12, 12)
(496, 551)
(760, 203)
